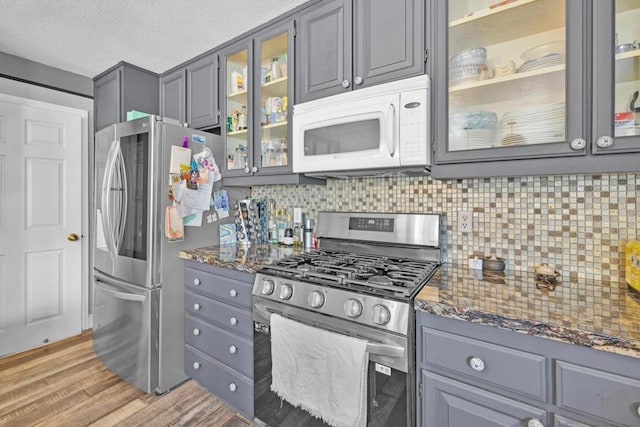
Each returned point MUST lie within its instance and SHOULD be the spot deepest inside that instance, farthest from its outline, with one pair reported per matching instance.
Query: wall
(14, 67)
(578, 224)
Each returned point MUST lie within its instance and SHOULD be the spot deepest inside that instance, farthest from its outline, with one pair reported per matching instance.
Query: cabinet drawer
(230, 349)
(610, 397)
(219, 287)
(504, 367)
(221, 314)
(230, 386)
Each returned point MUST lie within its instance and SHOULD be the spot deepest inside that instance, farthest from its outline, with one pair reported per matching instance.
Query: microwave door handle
(391, 143)
(107, 220)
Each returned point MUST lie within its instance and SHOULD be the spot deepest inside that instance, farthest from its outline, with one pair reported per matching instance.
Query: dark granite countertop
(592, 313)
(240, 257)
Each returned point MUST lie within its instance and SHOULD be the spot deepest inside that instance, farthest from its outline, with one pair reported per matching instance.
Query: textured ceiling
(88, 36)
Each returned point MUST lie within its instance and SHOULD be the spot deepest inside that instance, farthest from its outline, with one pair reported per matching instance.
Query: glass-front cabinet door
(237, 110)
(273, 64)
(616, 76)
(515, 80)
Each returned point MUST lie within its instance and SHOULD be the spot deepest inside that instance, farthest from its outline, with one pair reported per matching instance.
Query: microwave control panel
(414, 138)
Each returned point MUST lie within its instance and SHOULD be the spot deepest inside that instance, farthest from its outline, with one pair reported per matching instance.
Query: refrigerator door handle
(122, 192)
(107, 181)
(102, 281)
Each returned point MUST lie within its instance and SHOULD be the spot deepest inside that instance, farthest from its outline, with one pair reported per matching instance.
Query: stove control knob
(352, 308)
(286, 291)
(316, 299)
(267, 287)
(381, 314)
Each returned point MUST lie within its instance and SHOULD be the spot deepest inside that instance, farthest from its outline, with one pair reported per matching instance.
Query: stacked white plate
(533, 125)
(544, 62)
(470, 139)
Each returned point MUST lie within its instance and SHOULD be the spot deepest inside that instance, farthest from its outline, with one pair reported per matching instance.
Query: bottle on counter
(288, 232)
(308, 234)
(272, 224)
(282, 225)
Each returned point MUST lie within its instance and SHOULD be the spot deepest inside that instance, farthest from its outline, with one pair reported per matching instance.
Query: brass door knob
(72, 237)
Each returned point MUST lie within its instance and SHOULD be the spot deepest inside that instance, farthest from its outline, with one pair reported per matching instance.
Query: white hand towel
(322, 372)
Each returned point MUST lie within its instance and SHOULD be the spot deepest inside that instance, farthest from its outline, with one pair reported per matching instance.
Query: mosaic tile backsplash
(577, 224)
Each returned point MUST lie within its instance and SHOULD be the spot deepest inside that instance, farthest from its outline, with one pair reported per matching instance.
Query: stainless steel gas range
(361, 282)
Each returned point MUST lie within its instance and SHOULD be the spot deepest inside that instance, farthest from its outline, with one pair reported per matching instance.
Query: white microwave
(376, 130)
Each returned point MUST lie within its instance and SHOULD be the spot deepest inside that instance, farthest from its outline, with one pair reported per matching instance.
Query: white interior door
(40, 207)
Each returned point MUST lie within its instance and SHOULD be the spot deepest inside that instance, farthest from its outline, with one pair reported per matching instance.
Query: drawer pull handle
(196, 331)
(233, 387)
(233, 321)
(534, 422)
(196, 281)
(196, 365)
(233, 293)
(638, 409)
(196, 306)
(233, 349)
(477, 364)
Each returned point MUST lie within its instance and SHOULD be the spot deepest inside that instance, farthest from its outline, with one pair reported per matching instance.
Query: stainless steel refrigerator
(138, 284)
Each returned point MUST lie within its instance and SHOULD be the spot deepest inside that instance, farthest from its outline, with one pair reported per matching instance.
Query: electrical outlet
(465, 221)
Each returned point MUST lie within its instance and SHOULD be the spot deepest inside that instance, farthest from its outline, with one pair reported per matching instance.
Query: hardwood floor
(64, 384)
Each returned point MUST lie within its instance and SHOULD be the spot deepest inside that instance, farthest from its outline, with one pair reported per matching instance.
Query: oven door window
(386, 392)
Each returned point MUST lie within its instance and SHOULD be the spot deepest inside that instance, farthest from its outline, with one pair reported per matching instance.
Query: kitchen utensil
(493, 263)
(543, 50)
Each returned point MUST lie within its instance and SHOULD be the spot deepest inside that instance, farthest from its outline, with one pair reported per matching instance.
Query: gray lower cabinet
(219, 333)
(476, 375)
(190, 93)
(347, 44)
(123, 88)
(454, 404)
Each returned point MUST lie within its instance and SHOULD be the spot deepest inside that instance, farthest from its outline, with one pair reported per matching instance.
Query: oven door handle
(375, 348)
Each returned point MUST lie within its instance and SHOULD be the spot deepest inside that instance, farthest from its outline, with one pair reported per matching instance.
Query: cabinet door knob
(232, 387)
(247, 170)
(476, 364)
(233, 293)
(604, 141)
(196, 281)
(534, 422)
(345, 83)
(196, 306)
(358, 80)
(578, 144)
(196, 365)
(196, 331)
(254, 169)
(233, 321)
(233, 349)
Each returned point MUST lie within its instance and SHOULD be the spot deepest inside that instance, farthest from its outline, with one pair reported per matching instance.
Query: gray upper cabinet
(202, 92)
(346, 44)
(616, 104)
(190, 93)
(123, 88)
(256, 87)
(520, 97)
(172, 96)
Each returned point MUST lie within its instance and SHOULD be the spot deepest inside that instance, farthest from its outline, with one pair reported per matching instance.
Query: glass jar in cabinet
(514, 74)
(617, 77)
(237, 110)
(273, 65)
